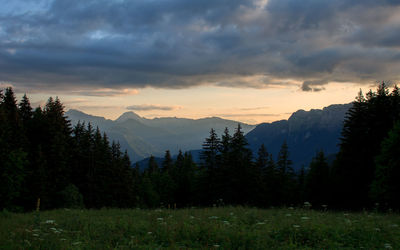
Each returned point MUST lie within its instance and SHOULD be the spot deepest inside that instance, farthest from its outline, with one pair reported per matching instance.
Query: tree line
(43, 156)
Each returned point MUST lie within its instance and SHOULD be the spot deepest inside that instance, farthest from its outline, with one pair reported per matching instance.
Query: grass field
(223, 228)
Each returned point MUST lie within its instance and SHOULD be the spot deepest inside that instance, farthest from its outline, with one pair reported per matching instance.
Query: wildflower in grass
(27, 242)
(216, 245)
(307, 205)
(387, 246)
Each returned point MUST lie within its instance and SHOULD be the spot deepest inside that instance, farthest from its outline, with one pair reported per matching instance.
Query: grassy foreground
(223, 228)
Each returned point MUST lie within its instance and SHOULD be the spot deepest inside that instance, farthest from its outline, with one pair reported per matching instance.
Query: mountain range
(143, 137)
(305, 132)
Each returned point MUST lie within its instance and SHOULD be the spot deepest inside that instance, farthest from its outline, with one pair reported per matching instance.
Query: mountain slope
(143, 137)
(305, 133)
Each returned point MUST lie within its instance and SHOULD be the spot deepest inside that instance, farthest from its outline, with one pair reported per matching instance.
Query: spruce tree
(210, 181)
(317, 181)
(285, 178)
(385, 187)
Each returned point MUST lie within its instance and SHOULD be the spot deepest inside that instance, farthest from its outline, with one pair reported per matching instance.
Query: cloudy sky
(252, 61)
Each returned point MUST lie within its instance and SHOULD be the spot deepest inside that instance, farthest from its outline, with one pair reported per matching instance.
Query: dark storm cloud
(121, 44)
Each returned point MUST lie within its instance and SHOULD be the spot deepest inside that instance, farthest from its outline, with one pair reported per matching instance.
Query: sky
(253, 61)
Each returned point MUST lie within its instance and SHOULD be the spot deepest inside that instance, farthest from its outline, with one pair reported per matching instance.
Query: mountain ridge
(143, 137)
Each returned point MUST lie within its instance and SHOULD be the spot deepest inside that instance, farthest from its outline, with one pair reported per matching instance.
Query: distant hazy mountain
(144, 137)
(305, 132)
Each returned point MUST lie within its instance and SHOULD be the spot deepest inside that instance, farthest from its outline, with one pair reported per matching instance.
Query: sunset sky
(252, 61)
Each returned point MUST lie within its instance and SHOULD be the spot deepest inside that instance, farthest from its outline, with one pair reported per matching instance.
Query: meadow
(199, 228)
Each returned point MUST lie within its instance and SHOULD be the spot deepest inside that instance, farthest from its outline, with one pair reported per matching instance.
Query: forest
(43, 158)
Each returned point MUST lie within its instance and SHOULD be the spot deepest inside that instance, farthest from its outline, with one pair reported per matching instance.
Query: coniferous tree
(13, 161)
(263, 195)
(210, 181)
(317, 180)
(167, 186)
(385, 187)
(366, 125)
(285, 178)
(241, 176)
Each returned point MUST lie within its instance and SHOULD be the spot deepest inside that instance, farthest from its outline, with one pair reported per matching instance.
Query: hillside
(143, 137)
(305, 133)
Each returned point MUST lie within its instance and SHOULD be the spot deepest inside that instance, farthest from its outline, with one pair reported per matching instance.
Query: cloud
(248, 115)
(253, 108)
(96, 107)
(313, 85)
(146, 107)
(106, 92)
(115, 44)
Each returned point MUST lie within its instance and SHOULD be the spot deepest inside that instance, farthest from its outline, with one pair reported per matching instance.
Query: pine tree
(285, 179)
(366, 125)
(25, 109)
(263, 195)
(317, 180)
(241, 170)
(385, 187)
(13, 161)
(210, 173)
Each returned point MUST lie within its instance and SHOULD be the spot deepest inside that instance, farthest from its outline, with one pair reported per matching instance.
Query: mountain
(305, 132)
(143, 137)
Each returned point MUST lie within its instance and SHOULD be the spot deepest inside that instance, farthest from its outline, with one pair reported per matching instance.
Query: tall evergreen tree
(285, 179)
(366, 125)
(317, 180)
(210, 173)
(13, 157)
(385, 187)
(241, 181)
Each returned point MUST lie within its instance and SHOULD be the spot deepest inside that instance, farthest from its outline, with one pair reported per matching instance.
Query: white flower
(387, 246)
